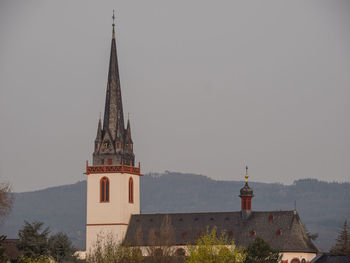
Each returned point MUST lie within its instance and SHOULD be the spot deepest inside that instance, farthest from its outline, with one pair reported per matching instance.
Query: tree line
(36, 245)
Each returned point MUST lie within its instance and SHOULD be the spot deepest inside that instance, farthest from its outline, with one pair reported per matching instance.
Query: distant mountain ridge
(323, 206)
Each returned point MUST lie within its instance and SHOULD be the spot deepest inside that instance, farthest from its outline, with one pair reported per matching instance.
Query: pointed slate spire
(113, 117)
(115, 145)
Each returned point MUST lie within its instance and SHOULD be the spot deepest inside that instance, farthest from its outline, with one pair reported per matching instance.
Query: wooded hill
(322, 206)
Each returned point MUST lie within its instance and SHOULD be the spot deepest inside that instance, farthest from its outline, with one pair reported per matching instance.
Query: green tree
(107, 250)
(260, 251)
(211, 248)
(40, 259)
(61, 247)
(342, 244)
(33, 241)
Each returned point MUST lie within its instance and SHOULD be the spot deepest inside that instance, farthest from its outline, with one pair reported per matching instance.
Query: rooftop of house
(11, 250)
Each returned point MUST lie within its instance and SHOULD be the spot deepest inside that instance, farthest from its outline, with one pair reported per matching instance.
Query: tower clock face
(106, 146)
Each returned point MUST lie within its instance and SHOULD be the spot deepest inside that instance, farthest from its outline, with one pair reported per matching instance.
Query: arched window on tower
(104, 190)
(131, 190)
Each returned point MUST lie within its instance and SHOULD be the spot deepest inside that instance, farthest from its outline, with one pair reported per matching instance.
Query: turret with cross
(246, 195)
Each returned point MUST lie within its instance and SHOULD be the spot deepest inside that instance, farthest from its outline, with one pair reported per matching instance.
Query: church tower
(113, 181)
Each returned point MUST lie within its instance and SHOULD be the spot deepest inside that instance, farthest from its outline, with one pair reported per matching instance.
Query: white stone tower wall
(110, 217)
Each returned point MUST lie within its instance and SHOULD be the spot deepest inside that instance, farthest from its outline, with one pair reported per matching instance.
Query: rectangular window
(109, 161)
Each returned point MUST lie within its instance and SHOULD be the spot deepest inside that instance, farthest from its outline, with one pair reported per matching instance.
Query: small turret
(246, 195)
(128, 140)
(128, 146)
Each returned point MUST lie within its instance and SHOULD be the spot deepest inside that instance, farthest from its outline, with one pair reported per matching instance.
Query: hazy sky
(210, 86)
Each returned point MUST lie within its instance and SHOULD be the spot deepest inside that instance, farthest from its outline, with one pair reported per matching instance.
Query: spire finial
(100, 115)
(113, 18)
(128, 115)
(246, 174)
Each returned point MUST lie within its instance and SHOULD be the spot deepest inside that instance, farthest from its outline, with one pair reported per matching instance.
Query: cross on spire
(246, 174)
(113, 25)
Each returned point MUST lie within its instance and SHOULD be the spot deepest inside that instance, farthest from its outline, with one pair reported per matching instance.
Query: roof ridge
(215, 212)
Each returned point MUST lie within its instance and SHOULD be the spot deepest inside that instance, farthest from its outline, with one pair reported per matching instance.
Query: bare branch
(6, 199)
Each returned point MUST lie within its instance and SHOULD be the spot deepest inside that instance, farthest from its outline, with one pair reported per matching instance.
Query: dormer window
(279, 232)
